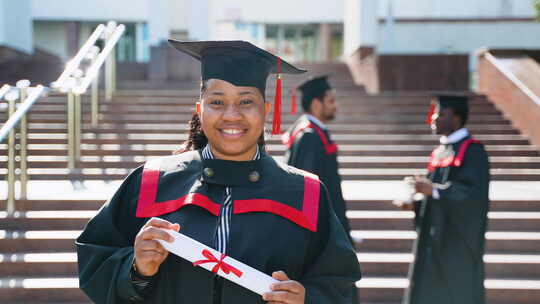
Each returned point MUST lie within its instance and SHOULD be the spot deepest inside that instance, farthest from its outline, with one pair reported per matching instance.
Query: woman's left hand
(286, 291)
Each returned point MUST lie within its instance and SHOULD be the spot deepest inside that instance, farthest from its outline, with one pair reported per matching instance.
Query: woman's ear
(267, 107)
(198, 108)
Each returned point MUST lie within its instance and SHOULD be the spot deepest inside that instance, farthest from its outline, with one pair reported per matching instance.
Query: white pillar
(199, 19)
(158, 21)
(16, 25)
(360, 25)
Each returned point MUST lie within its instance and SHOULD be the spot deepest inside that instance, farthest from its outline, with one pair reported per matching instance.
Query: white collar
(314, 120)
(207, 153)
(454, 137)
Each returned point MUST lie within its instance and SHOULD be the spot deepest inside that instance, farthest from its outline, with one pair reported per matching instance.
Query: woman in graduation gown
(226, 193)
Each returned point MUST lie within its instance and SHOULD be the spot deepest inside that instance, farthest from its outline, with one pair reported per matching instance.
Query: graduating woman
(225, 192)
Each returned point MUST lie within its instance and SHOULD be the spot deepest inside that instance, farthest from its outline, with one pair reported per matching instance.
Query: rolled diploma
(192, 250)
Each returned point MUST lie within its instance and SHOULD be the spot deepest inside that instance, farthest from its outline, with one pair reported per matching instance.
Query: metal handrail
(35, 94)
(93, 71)
(4, 90)
(74, 63)
(72, 82)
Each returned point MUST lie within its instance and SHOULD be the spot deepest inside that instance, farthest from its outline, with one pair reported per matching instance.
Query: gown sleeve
(307, 154)
(472, 180)
(465, 201)
(105, 247)
(332, 267)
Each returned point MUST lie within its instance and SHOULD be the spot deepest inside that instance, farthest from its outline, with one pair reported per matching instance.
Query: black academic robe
(310, 148)
(448, 266)
(282, 220)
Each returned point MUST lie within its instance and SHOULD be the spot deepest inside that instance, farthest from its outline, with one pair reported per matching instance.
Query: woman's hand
(149, 253)
(286, 291)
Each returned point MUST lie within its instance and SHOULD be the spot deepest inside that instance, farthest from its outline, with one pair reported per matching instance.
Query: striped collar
(207, 153)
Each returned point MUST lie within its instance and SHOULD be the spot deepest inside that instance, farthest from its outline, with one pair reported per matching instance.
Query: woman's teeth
(232, 131)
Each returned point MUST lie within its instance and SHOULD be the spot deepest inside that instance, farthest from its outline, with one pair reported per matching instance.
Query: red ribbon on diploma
(210, 258)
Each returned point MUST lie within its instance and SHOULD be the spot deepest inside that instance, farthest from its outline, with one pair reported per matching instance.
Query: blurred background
(79, 136)
(402, 33)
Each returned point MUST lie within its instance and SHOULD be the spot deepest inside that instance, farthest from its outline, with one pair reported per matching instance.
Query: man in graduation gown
(263, 213)
(451, 221)
(310, 148)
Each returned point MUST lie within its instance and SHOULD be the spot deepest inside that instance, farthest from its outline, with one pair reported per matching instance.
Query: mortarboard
(240, 63)
(315, 86)
(457, 102)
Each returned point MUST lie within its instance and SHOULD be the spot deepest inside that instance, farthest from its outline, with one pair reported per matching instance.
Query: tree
(537, 6)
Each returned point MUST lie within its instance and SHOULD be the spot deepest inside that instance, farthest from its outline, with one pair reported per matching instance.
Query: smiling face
(232, 118)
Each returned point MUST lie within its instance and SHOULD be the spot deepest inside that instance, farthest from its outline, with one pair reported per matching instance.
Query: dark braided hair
(197, 139)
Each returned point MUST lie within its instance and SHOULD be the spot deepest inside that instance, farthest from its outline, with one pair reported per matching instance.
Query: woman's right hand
(149, 254)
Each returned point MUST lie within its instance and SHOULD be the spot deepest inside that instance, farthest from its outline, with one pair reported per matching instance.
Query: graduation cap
(240, 63)
(315, 86)
(459, 103)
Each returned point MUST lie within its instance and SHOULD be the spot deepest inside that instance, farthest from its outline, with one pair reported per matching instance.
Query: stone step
(104, 164)
(361, 205)
(403, 220)
(164, 150)
(497, 242)
(158, 108)
(338, 130)
(391, 289)
(418, 118)
(498, 266)
(371, 290)
(365, 174)
(494, 205)
(13, 241)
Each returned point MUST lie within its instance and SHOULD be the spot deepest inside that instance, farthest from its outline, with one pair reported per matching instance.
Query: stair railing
(74, 81)
(27, 97)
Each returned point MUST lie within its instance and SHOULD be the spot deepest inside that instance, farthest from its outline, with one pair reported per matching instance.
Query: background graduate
(451, 221)
(226, 193)
(309, 146)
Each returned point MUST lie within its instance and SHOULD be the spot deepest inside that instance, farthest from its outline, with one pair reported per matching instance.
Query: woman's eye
(216, 102)
(246, 102)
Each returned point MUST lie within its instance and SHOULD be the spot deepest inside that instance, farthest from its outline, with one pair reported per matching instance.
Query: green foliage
(537, 6)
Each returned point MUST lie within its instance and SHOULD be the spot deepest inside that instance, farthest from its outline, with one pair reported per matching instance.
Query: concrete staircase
(382, 139)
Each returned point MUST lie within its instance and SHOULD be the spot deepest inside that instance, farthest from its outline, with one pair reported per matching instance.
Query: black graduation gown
(448, 266)
(310, 148)
(281, 221)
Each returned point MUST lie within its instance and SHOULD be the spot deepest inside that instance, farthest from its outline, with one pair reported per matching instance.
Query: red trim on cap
(429, 117)
(455, 161)
(288, 138)
(147, 205)
(307, 218)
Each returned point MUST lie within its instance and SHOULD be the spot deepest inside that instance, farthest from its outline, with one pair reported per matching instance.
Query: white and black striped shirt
(224, 221)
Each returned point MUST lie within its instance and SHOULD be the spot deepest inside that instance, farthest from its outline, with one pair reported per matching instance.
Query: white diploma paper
(212, 260)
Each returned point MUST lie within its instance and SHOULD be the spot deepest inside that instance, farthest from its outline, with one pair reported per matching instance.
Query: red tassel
(276, 123)
(431, 111)
(293, 101)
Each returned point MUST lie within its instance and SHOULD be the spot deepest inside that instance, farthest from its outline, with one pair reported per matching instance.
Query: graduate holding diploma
(247, 214)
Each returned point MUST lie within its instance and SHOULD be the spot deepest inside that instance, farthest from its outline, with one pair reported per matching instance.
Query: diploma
(212, 260)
